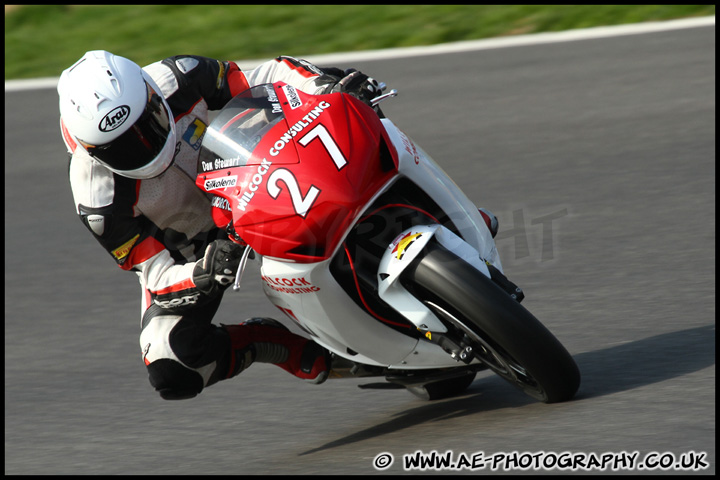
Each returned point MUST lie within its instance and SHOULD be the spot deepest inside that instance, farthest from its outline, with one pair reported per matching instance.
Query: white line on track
(465, 46)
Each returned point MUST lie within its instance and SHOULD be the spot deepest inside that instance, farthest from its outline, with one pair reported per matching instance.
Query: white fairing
(312, 298)
(423, 171)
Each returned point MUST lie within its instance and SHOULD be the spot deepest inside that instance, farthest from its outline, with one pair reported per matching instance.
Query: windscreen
(231, 138)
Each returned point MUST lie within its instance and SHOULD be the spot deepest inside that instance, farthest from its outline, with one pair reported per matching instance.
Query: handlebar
(376, 100)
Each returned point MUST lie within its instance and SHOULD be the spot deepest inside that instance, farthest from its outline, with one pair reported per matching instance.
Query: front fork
(426, 316)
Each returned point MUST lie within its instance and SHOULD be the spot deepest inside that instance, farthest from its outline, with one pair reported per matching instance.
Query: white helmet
(117, 113)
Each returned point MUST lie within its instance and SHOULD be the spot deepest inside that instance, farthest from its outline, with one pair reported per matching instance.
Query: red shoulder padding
(236, 79)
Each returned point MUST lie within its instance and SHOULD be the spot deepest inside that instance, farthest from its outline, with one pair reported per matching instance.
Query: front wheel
(502, 333)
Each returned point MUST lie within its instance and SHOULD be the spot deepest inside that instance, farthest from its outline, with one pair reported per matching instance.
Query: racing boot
(265, 340)
(490, 220)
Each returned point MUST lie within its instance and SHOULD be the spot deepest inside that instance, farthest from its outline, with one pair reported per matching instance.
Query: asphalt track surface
(598, 156)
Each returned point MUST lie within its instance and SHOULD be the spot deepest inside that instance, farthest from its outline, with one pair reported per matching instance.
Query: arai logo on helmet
(114, 119)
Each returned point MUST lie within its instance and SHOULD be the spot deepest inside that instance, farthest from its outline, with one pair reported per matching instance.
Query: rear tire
(504, 335)
(444, 388)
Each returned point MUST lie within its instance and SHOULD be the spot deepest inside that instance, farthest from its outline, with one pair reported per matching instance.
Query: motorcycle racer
(133, 135)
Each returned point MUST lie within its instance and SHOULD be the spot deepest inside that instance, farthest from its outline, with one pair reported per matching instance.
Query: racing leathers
(160, 228)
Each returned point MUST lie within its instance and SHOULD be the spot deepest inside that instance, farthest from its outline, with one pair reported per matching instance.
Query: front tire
(503, 334)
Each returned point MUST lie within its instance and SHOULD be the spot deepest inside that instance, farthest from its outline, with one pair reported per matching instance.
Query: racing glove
(358, 85)
(217, 269)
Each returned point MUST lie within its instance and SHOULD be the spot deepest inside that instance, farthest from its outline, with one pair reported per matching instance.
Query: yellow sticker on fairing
(404, 243)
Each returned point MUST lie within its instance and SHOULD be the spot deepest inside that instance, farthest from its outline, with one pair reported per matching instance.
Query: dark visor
(141, 143)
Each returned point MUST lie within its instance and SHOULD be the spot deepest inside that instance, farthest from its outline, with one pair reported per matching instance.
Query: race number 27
(303, 202)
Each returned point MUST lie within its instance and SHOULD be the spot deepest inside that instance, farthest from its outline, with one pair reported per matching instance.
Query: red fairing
(309, 177)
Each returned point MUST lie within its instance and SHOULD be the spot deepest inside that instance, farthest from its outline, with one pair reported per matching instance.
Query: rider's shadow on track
(604, 372)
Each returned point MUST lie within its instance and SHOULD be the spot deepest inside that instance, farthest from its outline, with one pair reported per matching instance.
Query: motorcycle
(370, 248)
